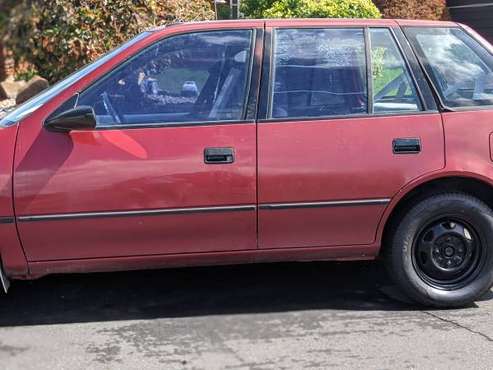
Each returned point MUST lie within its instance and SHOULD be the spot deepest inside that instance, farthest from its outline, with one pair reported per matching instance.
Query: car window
(318, 72)
(194, 78)
(43, 97)
(460, 67)
(393, 89)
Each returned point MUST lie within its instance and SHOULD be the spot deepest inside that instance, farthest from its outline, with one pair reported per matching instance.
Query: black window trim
(251, 93)
(265, 107)
(369, 73)
(427, 94)
(444, 108)
(405, 57)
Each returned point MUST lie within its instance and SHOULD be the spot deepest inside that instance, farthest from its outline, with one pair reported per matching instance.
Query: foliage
(413, 9)
(255, 8)
(55, 37)
(310, 9)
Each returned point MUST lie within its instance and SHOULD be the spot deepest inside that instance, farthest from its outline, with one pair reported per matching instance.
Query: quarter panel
(468, 141)
(11, 252)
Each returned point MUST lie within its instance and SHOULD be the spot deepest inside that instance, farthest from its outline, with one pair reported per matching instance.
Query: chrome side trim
(165, 211)
(6, 220)
(4, 280)
(151, 212)
(334, 203)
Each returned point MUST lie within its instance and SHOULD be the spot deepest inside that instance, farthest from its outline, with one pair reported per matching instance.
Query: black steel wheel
(441, 250)
(447, 253)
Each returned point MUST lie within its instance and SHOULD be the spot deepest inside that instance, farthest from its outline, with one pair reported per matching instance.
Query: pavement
(271, 316)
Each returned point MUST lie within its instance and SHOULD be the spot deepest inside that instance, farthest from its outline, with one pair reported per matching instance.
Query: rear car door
(170, 167)
(347, 122)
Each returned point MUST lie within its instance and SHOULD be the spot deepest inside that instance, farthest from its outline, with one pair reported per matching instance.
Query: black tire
(441, 250)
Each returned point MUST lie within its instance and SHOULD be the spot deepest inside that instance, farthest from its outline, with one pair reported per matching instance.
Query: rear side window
(393, 88)
(318, 72)
(193, 78)
(459, 66)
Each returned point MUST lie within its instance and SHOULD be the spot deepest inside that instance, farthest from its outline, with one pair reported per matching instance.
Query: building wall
(477, 14)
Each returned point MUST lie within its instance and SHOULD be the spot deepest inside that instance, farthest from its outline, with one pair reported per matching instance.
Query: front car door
(171, 166)
(348, 121)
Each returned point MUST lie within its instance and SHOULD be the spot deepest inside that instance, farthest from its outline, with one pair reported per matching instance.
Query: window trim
(251, 88)
(419, 93)
(136, 126)
(430, 102)
(370, 100)
(444, 108)
(263, 106)
(348, 116)
(268, 79)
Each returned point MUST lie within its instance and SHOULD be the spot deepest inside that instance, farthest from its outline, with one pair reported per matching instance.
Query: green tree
(255, 8)
(55, 37)
(310, 9)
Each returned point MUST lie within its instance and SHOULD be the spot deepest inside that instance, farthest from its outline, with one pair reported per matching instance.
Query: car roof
(315, 21)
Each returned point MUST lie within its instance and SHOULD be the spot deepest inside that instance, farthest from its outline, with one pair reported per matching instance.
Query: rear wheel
(441, 252)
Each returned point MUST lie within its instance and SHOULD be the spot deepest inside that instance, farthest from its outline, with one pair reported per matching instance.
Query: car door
(347, 123)
(170, 167)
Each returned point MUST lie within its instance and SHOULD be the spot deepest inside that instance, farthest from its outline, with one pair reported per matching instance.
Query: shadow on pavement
(197, 292)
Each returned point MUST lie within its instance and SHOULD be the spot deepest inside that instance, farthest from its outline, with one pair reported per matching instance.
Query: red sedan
(262, 141)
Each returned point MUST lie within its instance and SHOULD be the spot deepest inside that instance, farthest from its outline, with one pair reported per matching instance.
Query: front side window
(45, 96)
(318, 72)
(193, 78)
(460, 67)
(393, 89)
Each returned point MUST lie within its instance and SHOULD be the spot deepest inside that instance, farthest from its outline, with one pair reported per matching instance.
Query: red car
(262, 141)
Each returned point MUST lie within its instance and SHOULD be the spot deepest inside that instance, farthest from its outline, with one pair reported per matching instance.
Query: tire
(441, 251)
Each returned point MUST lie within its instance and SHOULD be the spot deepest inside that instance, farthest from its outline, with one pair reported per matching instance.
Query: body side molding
(334, 203)
(150, 212)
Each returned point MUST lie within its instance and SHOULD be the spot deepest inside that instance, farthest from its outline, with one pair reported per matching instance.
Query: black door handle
(406, 146)
(219, 155)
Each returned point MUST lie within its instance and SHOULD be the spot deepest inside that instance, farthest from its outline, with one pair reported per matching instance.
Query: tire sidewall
(462, 207)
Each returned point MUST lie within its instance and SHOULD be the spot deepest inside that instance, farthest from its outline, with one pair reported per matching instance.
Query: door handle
(406, 146)
(219, 155)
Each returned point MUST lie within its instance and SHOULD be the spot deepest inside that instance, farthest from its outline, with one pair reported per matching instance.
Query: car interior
(174, 83)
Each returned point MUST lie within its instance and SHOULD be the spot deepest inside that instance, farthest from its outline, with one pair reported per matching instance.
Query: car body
(302, 140)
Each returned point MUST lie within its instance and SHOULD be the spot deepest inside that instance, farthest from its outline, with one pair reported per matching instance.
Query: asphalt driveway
(291, 316)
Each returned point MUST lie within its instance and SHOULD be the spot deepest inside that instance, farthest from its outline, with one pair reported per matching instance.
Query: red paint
(138, 235)
(340, 159)
(155, 168)
(347, 253)
(163, 168)
(11, 253)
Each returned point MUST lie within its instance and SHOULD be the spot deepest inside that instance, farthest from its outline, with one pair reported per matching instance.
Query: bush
(413, 9)
(55, 37)
(255, 8)
(311, 9)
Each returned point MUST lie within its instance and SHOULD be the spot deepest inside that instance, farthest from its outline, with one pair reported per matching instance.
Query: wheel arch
(469, 183)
